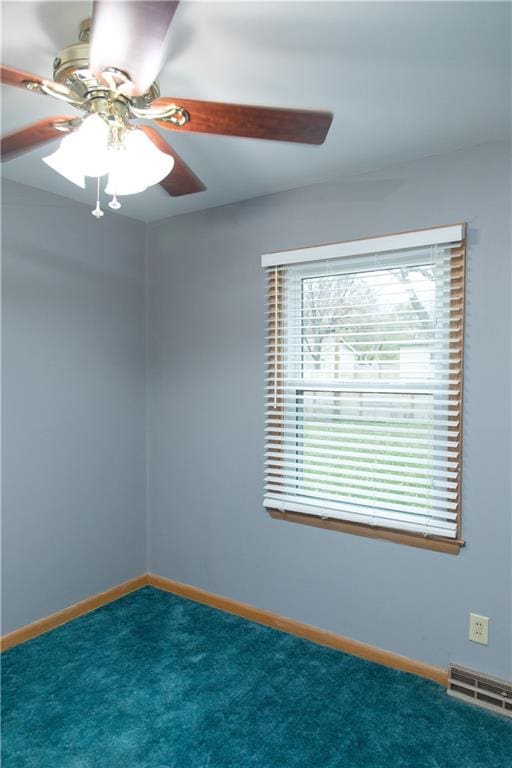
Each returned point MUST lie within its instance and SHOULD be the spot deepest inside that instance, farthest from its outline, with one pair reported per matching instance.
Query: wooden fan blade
(30, 82)
(18, 142)
(301, 126)
(181, 180)
(17, 77)
(130, 36)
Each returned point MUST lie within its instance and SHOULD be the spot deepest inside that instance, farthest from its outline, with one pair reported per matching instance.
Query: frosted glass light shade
(137, 165)
(91, 146)
(83, 152)
(64, 161)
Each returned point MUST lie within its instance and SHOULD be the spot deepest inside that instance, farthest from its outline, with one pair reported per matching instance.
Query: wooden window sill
(449, 546)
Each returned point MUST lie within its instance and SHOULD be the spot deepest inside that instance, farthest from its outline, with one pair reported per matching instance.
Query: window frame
(278, 282)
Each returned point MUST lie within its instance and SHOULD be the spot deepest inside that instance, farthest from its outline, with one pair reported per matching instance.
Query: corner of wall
(146, 395)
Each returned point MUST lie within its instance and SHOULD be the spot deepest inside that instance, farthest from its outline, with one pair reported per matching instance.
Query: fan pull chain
(98, 213)
(114, 203)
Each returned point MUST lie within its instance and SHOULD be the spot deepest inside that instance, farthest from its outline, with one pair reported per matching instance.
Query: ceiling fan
(111, 77)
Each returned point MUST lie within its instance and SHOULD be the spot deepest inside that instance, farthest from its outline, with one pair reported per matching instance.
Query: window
(364, 386)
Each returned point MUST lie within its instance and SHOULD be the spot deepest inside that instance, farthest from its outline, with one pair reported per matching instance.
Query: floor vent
(488, 692)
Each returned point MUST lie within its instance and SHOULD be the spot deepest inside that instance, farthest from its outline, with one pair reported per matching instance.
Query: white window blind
(364, 381)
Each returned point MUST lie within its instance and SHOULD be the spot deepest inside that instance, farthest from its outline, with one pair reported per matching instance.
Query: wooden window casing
(276, 292)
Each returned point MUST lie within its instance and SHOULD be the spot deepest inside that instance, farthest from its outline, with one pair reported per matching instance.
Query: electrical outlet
(479, 628)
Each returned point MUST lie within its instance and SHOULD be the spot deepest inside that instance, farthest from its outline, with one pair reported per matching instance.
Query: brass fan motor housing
(71, 68)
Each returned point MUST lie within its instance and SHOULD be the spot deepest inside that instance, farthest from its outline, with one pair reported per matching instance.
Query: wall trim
(55, 620)
(228, 605)
(299, 629)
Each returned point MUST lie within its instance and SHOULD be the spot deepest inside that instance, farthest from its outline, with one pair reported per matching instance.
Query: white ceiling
(404, 80)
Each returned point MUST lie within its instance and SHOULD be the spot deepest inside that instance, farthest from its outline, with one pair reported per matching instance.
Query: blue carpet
(155, 681)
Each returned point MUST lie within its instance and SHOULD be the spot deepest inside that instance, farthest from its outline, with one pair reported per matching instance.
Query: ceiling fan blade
(181, 180)
(30, 82)
(130, 36)
(17, 77)
(18, 142)
(297, 125)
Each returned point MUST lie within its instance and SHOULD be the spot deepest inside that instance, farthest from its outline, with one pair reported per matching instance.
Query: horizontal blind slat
(393, 510)
(433, 468)
(372, 434)
(409, 503)
(377, 398)
(392, 412)
(380, 471)
(299, 427)
(354, 481)
(415, 525)
(382, 447)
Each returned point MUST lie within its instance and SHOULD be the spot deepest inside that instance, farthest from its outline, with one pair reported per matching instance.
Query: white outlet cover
(479, 628)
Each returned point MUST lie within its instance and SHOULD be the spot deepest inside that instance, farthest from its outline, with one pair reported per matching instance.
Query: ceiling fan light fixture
(64, 161)
(111, 76)
(83, 152)
(90, 145)
(121, 181)
(136, 165)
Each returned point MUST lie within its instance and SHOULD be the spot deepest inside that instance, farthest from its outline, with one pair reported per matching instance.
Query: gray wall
(73, 403)
(74, 458)
(205, 408)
